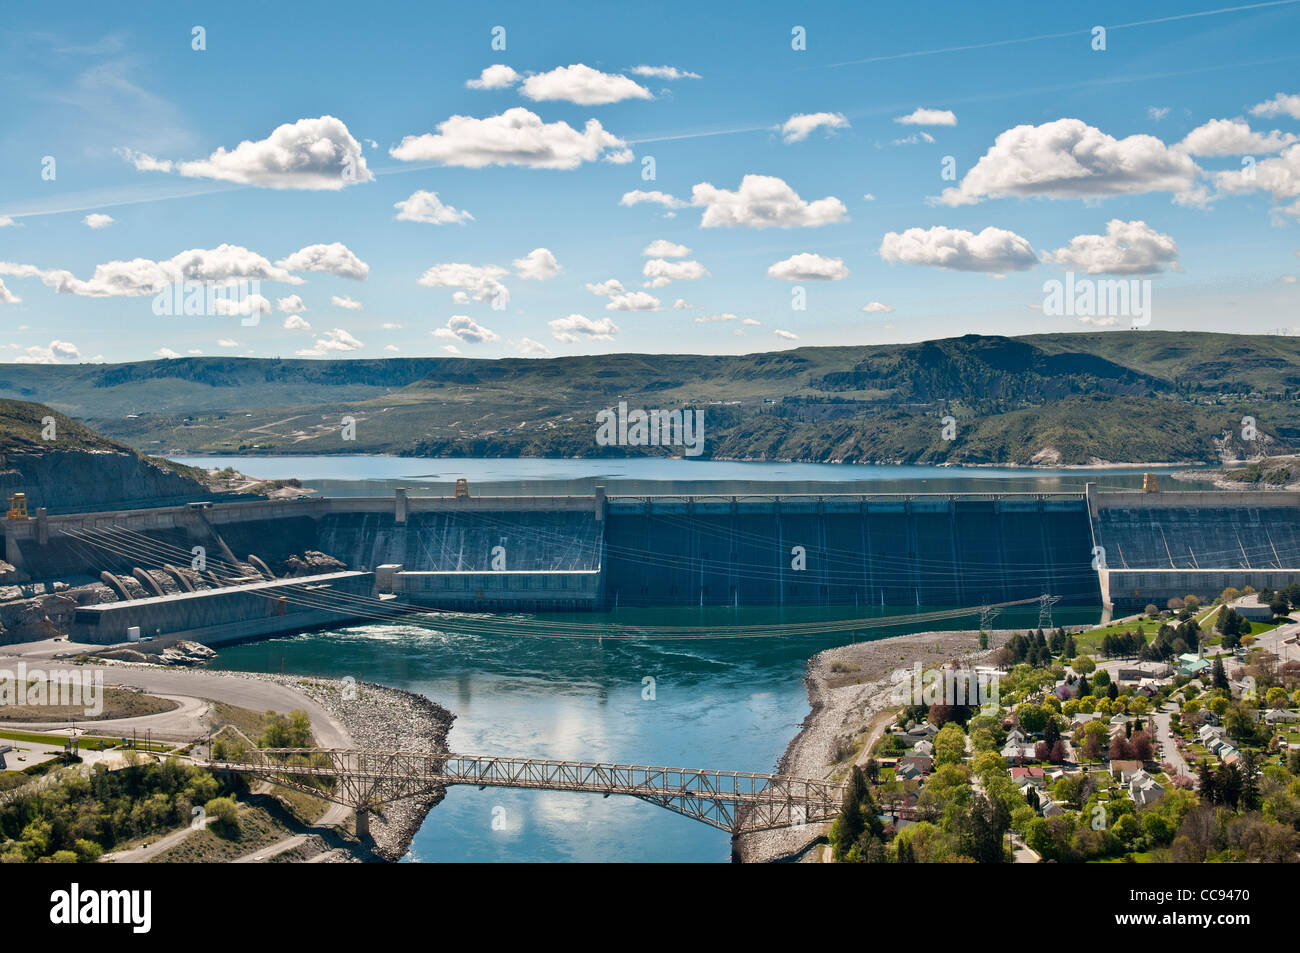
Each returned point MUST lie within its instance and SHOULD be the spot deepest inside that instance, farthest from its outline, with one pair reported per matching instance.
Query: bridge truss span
(734, 801)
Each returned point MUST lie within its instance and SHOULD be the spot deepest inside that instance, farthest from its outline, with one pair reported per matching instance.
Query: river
(731, 704)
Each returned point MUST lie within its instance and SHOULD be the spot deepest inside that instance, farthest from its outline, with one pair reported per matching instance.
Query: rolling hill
(1060, 398)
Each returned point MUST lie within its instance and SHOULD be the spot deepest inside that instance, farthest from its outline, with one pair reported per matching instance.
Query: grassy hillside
(22, 425)
(1068, 398)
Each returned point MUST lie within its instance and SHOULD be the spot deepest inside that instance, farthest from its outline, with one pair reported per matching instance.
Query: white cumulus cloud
(463, 328)
(471, 281)
(662, 248)
(516, 137)
(801, 125)
(1234, 137)
(538, 265)
(336, 341)
(582, 85)
(56, 352)
(250, 305)
(427, 207)
(334, 258)
(316, 154)
(223, 266)
(606, 288)
(633, 301)
(1127, 248)
(809, 267)
(1280, 105)
(96, 220)
(347, 302)
(655, 197)
(928, 117)
(661, 271)
(497, 76)
(1067, 158)
(763, 201)
(994, 250)
(529, 346)
(577, 327)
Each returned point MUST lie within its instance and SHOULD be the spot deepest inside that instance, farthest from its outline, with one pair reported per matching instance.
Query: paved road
(882, 721)
(1021, 854)
(1168, 749)
(251, 693)
(146, 852)
(185, 721)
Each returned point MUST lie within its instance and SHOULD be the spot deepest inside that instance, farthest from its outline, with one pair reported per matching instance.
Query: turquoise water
(723, 703)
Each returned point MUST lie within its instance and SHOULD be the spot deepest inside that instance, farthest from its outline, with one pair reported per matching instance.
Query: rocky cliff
(65, 480)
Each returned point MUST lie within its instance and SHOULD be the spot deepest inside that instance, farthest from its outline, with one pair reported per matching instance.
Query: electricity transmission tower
(1045, 603)
(987, 615)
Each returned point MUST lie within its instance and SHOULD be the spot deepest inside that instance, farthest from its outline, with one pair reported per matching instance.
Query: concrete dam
(1116, 551)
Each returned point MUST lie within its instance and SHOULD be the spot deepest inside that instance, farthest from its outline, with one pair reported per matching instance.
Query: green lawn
(1089, 642)
(86, 741)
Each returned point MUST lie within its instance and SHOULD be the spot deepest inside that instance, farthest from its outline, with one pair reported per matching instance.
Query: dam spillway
(882, 551)
(1114, 550)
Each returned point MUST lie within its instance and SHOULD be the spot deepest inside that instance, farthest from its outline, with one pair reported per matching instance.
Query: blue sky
(1169, 156)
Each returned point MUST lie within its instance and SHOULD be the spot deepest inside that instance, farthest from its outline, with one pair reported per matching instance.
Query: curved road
(191, 688)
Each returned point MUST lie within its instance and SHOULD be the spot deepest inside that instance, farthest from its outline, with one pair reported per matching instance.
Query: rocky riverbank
(380, 718)
(849, 689)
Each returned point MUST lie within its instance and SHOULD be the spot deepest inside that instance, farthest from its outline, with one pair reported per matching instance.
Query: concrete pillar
(42, 526)
(399, 504)
(363, 824)
(386, 577)
(13, 554)
(600, 504)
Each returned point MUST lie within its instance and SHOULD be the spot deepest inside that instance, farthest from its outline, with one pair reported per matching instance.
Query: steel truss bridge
(738, 802)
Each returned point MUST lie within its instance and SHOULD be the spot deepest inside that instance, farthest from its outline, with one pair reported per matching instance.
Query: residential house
(1083, 717)
(913, 766)
(1125, 770)
(1192, 664)
(1208, 733)
(1018, 752)
(1144, 789)
(923, 729)
(1023, 776)
(923, 747)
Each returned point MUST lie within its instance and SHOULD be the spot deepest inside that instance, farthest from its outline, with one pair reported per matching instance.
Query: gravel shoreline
(849, 689)
(380, 718)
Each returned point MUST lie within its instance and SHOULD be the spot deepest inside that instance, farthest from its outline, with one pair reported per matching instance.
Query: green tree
(949, 744)
(226, 812)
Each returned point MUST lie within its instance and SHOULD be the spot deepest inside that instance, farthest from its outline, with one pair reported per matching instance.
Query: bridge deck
(735, 801)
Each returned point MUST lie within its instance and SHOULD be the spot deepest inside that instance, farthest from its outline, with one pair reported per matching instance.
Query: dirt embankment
(850, 690)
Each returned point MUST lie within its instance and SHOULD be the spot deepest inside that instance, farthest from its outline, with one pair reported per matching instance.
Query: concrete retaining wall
(236, 613)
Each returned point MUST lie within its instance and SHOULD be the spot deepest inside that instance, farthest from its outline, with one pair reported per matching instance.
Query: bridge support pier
(363, 823)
